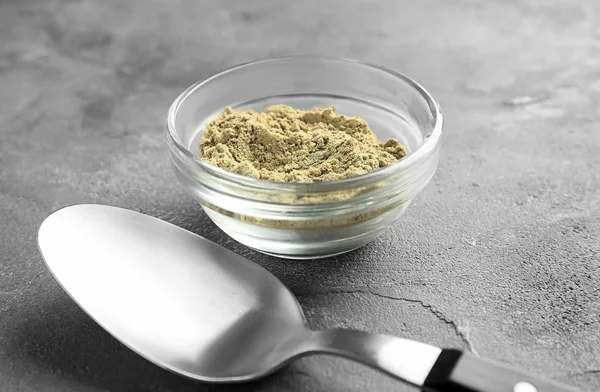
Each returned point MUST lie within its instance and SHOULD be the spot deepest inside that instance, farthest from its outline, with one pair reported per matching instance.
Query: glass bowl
(308, 220)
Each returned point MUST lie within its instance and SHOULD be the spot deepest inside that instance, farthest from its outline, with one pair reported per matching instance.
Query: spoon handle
(459, 371)
(428, 367)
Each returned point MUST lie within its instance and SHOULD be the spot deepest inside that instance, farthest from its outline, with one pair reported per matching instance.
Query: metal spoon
(197, 309)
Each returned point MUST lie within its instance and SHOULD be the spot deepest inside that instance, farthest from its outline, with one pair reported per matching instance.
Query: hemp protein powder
(286, 144)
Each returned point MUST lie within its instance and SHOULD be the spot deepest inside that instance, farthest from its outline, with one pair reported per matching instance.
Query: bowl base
(305, 244)
(300, 257)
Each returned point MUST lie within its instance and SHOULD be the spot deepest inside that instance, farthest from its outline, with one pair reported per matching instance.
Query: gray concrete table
(500, 255)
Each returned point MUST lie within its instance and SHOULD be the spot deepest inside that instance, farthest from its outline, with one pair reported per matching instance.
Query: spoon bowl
(197, 309)
(175, 298)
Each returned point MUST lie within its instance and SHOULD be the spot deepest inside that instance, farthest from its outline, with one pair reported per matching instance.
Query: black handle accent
(457, 371)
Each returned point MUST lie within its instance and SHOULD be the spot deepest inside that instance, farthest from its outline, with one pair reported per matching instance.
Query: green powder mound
(290, 145)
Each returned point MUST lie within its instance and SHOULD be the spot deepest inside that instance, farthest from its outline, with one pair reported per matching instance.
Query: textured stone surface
(500, 254)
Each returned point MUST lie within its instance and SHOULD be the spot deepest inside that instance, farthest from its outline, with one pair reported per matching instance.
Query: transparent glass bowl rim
(412, 158)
